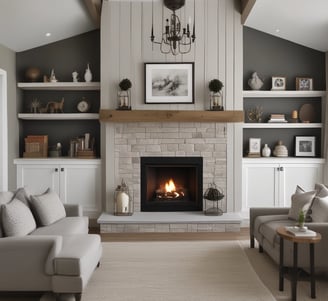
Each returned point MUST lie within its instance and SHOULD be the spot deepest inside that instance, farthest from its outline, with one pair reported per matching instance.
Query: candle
(122, 202)
(294, 114)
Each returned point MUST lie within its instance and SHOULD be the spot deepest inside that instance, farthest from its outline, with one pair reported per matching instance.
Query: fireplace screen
(171, 183)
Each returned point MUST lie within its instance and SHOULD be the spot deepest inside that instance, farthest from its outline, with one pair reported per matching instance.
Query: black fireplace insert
(171, 184)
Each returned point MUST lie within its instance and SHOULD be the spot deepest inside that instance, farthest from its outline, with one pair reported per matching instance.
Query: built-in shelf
(282, 160)
(60, 86)
(269, 94)
(170, 116)
(59, 116)
(282, 125)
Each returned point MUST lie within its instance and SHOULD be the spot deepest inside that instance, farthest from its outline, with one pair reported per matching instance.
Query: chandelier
(175, 39)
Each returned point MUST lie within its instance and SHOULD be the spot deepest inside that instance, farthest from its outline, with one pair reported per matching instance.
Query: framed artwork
(305, 146)
(167, 83)
(255, 146)
(304, 83)
(278, 83)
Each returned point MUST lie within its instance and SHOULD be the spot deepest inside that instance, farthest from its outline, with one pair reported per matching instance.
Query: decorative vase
(88, 74)
(255, 82)
(33, 74)
(280, 150)
(266, 151)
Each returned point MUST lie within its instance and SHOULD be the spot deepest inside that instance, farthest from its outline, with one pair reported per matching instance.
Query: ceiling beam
(246, 7)
(94, 9)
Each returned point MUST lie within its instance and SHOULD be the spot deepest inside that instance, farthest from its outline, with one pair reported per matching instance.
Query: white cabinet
(270, 182)
(76, 181)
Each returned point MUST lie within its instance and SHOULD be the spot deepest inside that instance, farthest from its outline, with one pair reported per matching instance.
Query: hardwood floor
(190, 236)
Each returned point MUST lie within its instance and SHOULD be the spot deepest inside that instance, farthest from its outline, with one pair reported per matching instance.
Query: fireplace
(171, 184)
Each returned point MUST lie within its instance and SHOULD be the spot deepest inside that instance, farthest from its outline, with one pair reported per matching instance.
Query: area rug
(268, 272)
(175, 271)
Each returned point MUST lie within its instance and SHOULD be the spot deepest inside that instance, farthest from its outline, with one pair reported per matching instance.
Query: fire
(170, 186)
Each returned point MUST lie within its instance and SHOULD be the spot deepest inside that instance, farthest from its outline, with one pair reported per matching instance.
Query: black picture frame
(169, 83)
(305, 146)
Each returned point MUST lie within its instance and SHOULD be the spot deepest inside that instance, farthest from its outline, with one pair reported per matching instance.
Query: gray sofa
(59, 257)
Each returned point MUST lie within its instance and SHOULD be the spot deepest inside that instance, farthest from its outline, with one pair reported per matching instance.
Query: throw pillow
(21, 195)
(322, 190)
(300, 202)
(17, 219)
(299, 189)
(5, 197)
(320, 210)
(48, 208)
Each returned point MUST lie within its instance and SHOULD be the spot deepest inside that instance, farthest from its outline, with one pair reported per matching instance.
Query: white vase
(266, 151)
(88, 74)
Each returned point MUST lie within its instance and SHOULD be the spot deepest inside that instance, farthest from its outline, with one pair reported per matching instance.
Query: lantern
(123, 201)
(213, 197)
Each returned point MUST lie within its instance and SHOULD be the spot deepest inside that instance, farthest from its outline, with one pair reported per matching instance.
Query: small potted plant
(301, 219)
(215, 86)
(124, 99)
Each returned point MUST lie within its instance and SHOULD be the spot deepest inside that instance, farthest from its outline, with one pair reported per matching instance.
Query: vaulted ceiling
(24, 23)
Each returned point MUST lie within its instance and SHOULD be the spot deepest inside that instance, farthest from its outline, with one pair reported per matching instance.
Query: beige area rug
(268, 271)
(175, 271)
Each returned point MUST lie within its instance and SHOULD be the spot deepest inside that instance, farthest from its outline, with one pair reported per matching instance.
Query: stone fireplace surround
(132, 140)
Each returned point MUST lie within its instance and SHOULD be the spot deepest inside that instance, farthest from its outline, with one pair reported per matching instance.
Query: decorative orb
(33, 74)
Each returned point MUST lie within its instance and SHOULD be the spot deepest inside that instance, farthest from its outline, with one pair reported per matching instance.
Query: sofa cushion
(300, 202)
(321, 189)
(5, 197)
(319, 210)
(17, 219)
(21, 195)
(65, 226)
(48, 208)
(269, 229)
(77, 252)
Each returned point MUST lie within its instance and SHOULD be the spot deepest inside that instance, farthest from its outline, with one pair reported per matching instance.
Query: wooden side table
(283, 234)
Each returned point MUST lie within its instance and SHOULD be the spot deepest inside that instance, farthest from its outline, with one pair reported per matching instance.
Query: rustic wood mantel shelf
(170, 116)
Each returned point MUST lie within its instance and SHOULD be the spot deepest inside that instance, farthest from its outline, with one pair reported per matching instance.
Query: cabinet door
(81, 184)
(304, 175)
(260, 185)
(37, 178)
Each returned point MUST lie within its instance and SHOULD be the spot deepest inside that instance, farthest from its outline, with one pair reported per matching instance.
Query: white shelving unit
(281, 125)
(59, 116)
(275, 94)
(79, 86)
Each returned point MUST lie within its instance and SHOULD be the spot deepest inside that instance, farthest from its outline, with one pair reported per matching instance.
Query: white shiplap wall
(217, 53)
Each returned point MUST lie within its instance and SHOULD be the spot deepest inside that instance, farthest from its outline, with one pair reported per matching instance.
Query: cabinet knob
(56, 169)
(281, 169)
(62, 169)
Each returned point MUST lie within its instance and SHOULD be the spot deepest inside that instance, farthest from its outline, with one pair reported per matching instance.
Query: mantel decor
(167, 83)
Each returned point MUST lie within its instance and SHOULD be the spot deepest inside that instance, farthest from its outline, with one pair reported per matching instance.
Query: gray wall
(65, 56)
(272, 56)
(8, 63)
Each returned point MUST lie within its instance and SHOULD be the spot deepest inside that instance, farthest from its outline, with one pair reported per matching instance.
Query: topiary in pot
(215, 86)
(125, 84)
(124, 95)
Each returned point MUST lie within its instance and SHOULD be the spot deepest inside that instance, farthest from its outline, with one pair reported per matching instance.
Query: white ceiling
(24, 23)
(304, 22)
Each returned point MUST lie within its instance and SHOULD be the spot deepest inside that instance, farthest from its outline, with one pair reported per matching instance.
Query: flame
(169, 187)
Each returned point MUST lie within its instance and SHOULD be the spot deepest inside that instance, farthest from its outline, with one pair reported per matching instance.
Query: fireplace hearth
(171, 184)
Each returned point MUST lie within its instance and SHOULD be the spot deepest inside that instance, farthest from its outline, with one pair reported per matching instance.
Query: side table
(284, 234)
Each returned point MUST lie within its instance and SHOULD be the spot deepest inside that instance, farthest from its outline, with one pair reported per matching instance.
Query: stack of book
(36, 146)
(297, 231)
(277, 118)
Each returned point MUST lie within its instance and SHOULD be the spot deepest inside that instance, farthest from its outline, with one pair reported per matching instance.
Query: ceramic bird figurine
(255, 82)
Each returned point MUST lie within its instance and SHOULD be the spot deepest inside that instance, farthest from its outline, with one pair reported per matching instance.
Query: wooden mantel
(170, 116)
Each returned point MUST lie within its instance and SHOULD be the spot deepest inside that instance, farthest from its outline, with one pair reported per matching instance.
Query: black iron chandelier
(175, 39)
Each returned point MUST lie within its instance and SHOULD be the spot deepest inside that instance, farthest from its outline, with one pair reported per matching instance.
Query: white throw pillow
(320, 210)
(21, 195)
(17, 219)
(300, 202)
(322, 190)
(48, 208)
(5, 197)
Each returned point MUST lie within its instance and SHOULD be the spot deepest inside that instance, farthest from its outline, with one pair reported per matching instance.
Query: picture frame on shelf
(254, 147)
(304, 83)
(305, 146)
(169, 83)
(278, 83)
